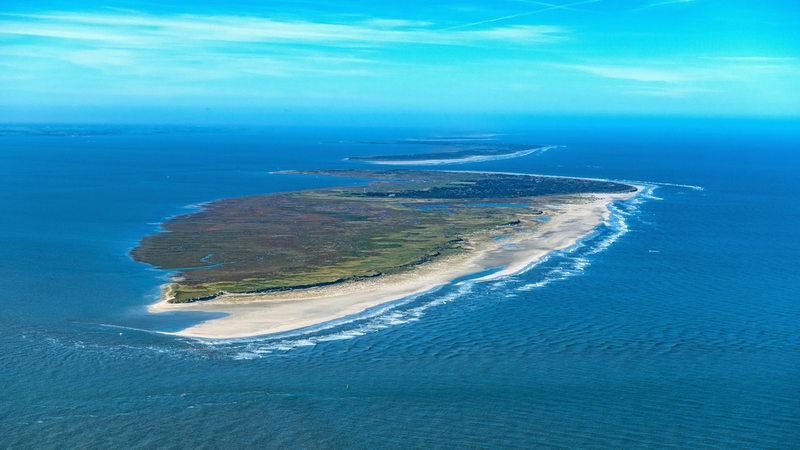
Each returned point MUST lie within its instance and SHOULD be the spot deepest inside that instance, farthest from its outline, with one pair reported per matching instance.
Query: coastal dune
(261, 314)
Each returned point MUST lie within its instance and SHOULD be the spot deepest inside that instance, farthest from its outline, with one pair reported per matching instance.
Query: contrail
(528, 13)
(534, 2)
(667, 2)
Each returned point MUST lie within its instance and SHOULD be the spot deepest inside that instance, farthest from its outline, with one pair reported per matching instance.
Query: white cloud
(667, 91)
(146, 31)
(101, 58)
(74, 32)
(685, 77)
(771, 59)
(643, 74)
(516, 33)
(393, 23)
(135, 46)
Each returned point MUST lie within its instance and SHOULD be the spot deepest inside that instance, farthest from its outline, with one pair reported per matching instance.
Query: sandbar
(262, 314)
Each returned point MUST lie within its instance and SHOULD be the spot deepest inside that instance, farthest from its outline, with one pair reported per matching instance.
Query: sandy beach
(260, 314)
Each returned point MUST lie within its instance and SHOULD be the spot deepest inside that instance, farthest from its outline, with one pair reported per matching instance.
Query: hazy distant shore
(261, 314)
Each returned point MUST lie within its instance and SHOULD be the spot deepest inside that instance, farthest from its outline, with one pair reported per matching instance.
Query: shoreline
(269, 313)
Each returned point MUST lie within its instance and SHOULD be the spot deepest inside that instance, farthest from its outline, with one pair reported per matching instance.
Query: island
(284, 261)
(454, 153)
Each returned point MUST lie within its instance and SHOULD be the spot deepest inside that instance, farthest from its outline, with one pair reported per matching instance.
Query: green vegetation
(325, 236)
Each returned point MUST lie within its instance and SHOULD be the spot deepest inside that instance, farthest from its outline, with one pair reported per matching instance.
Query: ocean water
(674, 326)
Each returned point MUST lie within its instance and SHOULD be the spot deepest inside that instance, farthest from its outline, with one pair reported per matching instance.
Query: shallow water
(674, 326)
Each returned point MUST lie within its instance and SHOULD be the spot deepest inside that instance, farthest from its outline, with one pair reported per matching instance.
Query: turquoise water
(674, 326)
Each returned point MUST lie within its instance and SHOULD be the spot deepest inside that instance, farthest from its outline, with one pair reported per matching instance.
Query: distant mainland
(284, 261)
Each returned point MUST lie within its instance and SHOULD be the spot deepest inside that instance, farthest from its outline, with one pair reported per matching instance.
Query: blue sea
(676, 325)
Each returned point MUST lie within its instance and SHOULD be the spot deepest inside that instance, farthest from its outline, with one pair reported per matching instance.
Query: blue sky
(245, 60)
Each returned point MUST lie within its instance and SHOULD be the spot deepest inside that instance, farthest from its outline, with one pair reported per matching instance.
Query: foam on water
(402, 312)
(573, 260)
(660, 183)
